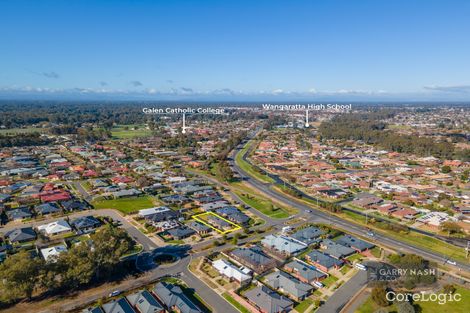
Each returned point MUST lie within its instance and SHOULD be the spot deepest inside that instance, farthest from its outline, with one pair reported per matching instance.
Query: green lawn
(119, 132)
(451, 307)
(346, 268)
(304, 305)
(234, 302)
(375, 252)
(329, 280)
(264, 206)
(125, 205)
(247, 167)
(370, 307)
(354, 257)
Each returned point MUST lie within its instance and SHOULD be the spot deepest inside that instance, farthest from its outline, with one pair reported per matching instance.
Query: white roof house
(51, 253)
(230, 271)
(56, 227)
(434, 218)
(151, 211)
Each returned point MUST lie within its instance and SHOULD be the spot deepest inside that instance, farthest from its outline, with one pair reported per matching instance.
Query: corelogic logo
(440, 298)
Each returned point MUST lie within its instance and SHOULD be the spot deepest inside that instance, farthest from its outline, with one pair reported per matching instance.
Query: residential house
(240, 275)
(55, 228)
(19, 235)
(95, 309)
(253, 258)
(335, 249)
(282, 244)
(233, 214)
(118, 306)
(85, 224)
(286, 283)
(50, 254)
(323, 261)
(74, 205)
(308, 235)
(269, 301)
(144, 302)
(210, 206)
(354, 243)
(19, 214)
(47, 208)
(199, 228)
(174, 299)
(181, 232)
(304, 272)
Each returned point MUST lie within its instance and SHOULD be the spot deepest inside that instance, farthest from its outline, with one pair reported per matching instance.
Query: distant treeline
(369, 128)
(22, 140)
(24, 113)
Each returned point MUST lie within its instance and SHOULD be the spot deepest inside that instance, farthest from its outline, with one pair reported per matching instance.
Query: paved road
(343, 294)
(344, 224)
(81, 190)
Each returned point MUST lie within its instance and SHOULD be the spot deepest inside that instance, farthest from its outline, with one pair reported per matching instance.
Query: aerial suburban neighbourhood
(234, 156)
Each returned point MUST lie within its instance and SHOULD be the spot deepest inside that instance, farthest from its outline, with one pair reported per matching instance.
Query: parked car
(115, 293)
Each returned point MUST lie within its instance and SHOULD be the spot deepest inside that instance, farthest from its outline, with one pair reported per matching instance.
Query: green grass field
(462, 306)
(248, 168)
(126, 205)
(14, 131)
(416, 239)
(119, 132)
(264, 206)
(370, 307)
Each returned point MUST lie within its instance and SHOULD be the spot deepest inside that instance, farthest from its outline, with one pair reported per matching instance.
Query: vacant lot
(127, 132)
(126, 205)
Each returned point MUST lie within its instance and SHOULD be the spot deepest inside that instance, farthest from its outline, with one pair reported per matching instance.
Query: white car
(360, 266)
(451, 262)
(115, 293)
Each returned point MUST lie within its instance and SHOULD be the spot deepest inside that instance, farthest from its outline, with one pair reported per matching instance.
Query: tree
(79, 266)
(450, 227)
(109, 245)
(446, 169)
(378, 295)
(405, 307)
(20, 275)
(448, 289)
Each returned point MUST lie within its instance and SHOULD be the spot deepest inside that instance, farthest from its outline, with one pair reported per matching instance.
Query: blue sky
(409, 50)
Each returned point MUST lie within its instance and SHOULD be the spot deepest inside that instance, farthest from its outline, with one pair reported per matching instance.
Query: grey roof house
(269, 301)
(21, 235)
(19, 213)
(323, 261)
(85, 223)
(308, 235)
(118, 306)
(335, 249)
(354, 243)
(254, 258)
(287, 283)
(174, 299)
(145, 302)
(47, 208)
(304, 272)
